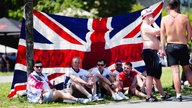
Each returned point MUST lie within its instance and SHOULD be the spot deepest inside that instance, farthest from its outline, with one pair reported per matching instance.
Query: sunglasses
(39, 66)
(100, 64)
(118, 64)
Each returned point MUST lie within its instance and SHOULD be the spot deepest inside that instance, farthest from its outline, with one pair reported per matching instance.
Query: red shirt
(127, 79)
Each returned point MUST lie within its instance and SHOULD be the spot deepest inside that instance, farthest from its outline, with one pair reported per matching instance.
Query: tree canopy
(100, 8)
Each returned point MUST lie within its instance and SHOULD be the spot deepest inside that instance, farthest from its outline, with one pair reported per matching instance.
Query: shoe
(69, 101)
(83, 101)
(90, 98)
(123, 96)
(116, 97)
(96, 98)
(166, 97)
(178, 99)
(151, 99)
(126, 92)
(100, 95)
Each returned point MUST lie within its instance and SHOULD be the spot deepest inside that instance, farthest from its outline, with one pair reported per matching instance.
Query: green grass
(6, 73)
(21, 102)
(166, 78)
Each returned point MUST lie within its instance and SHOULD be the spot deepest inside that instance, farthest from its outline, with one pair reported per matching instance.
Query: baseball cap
(118, 61)
(146, 12)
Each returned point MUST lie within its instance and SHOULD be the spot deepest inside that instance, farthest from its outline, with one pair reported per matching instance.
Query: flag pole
(29, 34)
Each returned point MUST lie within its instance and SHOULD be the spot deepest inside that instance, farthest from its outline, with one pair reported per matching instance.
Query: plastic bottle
(41, 97)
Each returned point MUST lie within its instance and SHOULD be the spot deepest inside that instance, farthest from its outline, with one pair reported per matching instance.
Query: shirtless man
(149, 54)
(175, 26)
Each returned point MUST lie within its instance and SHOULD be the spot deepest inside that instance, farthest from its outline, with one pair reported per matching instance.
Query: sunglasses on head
(39, 66)
(100, 64)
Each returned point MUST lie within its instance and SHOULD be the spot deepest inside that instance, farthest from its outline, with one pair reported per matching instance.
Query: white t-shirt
(83, 74)
(105, 73)
(116, 72)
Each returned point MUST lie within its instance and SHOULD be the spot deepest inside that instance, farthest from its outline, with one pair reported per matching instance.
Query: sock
(89, 96)
(178, 95)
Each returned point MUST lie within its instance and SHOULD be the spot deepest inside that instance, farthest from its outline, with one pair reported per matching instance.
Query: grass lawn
(21, 102)
(6, 73)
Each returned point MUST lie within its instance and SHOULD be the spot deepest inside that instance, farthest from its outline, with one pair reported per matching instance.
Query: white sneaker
(83, 101)
(123, 96)
(115, 96)
(96, 98)
(90, 98)
(69, 101)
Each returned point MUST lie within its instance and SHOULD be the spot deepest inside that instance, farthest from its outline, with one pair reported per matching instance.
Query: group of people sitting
(87, 85)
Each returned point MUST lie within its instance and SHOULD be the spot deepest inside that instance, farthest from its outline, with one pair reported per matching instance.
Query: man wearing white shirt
(103, 74)
(39, 88)
(77, 78)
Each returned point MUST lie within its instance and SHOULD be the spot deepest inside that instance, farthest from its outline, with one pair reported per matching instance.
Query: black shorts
(151, 59)
(177, 54)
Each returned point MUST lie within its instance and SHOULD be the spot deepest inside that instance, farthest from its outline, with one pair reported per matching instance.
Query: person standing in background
(149, 33)
(176, 32)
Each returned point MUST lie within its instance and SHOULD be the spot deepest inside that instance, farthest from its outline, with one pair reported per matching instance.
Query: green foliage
(108, 8)
(51, 6)
(100, 8)
(136, 7)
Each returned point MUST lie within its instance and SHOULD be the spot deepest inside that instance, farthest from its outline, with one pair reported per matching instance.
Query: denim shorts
(48, 97)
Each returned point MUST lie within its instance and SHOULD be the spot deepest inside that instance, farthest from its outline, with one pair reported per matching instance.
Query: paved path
(4, 79)
(186, 103)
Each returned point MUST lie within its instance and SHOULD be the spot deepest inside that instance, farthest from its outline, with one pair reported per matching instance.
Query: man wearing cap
(118, 69)
(149, 54)
(176, 31)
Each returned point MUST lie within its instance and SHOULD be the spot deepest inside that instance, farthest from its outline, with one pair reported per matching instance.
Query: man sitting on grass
(39, 88)
(128, 81)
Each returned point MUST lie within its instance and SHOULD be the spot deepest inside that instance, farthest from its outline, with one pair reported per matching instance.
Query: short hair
(101, 59)
(36, 62)
(173, 4)
(128, 64)
(77, 57)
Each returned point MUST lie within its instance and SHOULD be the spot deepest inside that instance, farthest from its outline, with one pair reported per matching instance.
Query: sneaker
(151, 99)
(123, 96)
(100, 95)
(96, 98)
(166, 97)
(178, 99)
(90, 98)
(83, 101)
(69, 101)
(116, 97)
(126, 92)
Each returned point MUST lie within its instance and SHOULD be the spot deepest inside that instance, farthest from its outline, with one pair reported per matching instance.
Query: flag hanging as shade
(57, 39)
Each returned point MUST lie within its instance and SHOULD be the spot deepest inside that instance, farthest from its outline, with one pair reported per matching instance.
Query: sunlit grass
(6, 73)
(20, 102)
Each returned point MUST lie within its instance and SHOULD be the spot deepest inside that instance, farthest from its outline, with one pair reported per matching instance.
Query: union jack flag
(57, 39)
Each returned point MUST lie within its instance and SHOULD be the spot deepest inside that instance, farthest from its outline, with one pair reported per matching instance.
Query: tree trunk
(29, 34)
